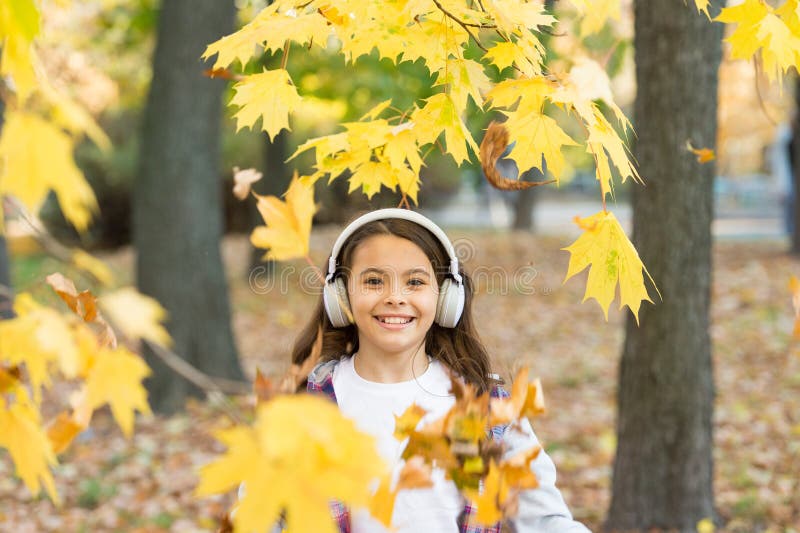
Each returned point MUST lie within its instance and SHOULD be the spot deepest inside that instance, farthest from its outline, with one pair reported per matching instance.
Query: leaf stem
(285, 58)
(461, 23)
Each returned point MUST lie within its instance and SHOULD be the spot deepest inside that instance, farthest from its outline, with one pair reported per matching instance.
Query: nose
(395, 294)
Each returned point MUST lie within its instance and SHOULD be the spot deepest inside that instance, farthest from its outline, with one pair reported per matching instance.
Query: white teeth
(394, 320)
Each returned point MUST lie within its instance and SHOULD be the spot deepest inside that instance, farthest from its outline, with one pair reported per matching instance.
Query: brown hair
(459, 348)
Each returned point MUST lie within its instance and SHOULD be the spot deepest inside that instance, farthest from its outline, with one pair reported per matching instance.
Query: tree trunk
(525, 201)
(177, 204)
(663, 471)
(792, 214)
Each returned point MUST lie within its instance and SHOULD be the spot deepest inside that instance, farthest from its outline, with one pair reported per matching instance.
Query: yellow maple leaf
(116, 379)
(304, 444)
(269, 30)
(288, 224)
(465, 79)
(19, 25)
(38, 158)
(270, 96)
(525, 53)
(371, 175)
(596, 13)
(612, 259)
(760, 28)
(439, 115)
(702, 7)
(608, 148)
(22, 435)
(516, 16)
(138, 316)
(41, 338)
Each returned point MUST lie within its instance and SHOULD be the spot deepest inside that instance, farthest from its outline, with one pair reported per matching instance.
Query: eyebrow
(416, 270)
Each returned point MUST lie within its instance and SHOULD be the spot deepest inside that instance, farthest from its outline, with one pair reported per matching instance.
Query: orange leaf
(263, 387)
(704, 155)
(62, 430)
(84, 304)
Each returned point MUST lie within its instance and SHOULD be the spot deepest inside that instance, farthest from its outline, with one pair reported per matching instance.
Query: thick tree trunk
(525, 201)
(177, 203)
(792, 213)
(663, 469)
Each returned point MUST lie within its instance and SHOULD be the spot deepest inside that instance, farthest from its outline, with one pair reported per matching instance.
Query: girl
(396, 319)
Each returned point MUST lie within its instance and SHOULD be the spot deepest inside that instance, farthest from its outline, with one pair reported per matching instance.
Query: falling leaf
(288, 224)
(612, 259)
(243, 180)
(704, 155)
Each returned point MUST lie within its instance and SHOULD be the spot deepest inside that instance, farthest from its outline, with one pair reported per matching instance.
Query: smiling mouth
(394, 320)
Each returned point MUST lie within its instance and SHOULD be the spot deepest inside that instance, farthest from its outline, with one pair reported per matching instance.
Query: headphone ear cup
(450, 304)
(337, 305)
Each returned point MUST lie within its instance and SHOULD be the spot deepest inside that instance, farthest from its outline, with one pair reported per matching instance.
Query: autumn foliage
(461, 44)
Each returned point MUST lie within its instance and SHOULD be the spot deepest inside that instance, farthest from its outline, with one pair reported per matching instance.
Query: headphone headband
(394, 212)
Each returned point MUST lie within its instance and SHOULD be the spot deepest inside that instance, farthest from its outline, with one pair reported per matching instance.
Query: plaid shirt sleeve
(324, 386)
(467, 523)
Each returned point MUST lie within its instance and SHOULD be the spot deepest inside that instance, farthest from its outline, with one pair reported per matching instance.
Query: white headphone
(451, 293)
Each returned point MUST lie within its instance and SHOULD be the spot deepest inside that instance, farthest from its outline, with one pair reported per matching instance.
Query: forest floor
(526, 316)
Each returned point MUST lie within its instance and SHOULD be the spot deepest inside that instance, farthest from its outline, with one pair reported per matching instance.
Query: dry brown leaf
(493, 145)
(82, 304)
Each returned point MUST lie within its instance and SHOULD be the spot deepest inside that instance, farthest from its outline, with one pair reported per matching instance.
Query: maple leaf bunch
(387, 147)
(304, 444)
(41, 345)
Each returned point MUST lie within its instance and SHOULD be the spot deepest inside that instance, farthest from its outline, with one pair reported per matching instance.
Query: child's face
(391, 280)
